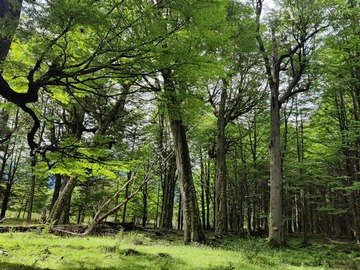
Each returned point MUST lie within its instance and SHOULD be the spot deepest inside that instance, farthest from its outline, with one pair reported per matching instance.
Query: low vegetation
(152, 250)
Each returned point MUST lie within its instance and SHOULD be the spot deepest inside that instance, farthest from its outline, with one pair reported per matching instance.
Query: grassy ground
(38, 250)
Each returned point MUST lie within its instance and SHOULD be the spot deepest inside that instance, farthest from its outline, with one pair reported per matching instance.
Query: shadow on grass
(129, 259)
(13, 266)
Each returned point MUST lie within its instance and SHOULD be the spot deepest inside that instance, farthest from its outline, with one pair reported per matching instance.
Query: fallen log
(20, 228)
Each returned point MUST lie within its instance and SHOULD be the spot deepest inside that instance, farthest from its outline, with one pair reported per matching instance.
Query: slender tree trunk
(7, 191)
(156, 224)
(57, 188)
(239, 191)
(207, 195)
(145, 204)
(203, 183)
(32, 188)
(355, 218)
(168, 194)
(116, 215)
(5, 201)
(129, 175)
(79, 217)
(180, 215)
(300, 157)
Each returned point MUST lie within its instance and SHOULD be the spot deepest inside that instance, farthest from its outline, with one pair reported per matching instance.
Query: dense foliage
(161, 113)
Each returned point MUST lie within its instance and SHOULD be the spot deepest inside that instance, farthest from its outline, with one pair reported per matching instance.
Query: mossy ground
(136, 250)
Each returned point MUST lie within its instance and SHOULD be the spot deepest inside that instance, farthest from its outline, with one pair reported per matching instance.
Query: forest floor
(150, 249)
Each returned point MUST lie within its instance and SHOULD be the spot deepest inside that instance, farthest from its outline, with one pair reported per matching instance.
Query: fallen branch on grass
(3, 219)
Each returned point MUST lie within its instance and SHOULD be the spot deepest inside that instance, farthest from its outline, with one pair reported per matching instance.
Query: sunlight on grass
(146, 251)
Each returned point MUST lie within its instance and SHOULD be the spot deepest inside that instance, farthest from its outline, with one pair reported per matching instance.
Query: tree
(339, 113)
(193, 231)
(287, 57)
(232, 96)
(79, 52)
(179, 54)
(11, 162)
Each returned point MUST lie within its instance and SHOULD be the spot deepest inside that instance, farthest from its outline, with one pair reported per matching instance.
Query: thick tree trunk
(193, 231)
(65, 213)
(275, 217)
(65, 194)
(221, 211)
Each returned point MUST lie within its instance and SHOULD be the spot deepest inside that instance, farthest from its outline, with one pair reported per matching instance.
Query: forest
(211, 117)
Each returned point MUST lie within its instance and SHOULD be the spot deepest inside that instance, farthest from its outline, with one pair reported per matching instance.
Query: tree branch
(260, 42)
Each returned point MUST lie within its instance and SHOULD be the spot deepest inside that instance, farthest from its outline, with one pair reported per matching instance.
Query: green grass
(36, 250)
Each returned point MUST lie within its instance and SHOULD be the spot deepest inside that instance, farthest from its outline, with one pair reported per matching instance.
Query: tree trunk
(32, 189)
(207, 195)
(168, 194)
(221, 211)
(9, 25)
(65, 213)
(203, 183)
(8, 187)
(145, 204)
(274, 64)
(193, 231)
(65, 194)
(57, 188)
(123, 219)
(180, 215)
(275, 216)
(5, 200)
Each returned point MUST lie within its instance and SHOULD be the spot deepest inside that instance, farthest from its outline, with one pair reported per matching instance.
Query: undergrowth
(140, 250)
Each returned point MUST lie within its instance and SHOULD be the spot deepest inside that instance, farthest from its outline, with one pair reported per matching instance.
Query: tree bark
(12, 165)
(6, 198)
(203, 183)
(9, 14)
(207, 195)
(193, 231)
(221, 211)
(8, 187)
(65, 213)
(129, 176)
(168, 194)
(273, 64)
(145, 204)
(57, 187)
(32, 189)
(275, 215)
(55, 214)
